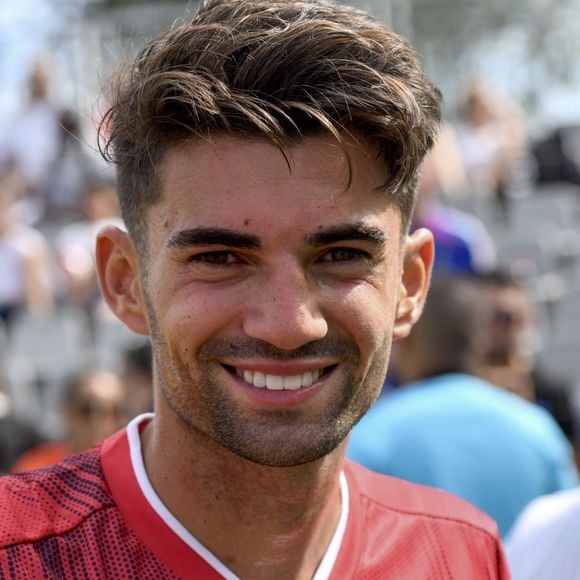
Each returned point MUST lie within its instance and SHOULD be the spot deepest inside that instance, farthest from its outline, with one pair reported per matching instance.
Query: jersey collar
(161, 532)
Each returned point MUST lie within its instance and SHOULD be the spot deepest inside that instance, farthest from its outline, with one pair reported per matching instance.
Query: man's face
(271, 293)
(510, 319)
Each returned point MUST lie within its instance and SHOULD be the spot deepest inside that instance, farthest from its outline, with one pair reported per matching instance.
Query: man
(508, 357)
(94, 406)
(266, 153)
(448, 428)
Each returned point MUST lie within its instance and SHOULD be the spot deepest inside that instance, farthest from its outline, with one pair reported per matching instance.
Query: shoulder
(549, 513)
(404, 530)
(52, 501)
(446, 393)
(450, 393)
(544, 539)
(417, 503)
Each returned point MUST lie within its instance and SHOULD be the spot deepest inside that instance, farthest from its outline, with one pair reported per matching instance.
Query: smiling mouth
(280, 382)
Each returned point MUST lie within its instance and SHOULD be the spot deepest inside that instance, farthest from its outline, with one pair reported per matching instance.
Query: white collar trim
(326, 564)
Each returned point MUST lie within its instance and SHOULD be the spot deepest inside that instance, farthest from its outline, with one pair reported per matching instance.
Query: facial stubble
(270, 437)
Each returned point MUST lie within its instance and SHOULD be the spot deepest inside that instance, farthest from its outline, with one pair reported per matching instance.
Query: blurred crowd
(504, 211)
(69, 373)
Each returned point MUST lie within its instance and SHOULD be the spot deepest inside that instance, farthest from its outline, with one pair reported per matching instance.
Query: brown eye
(344, 255)
(220, 258)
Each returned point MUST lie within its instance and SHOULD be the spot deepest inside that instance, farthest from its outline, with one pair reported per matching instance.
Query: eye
(216, 258)
(345, 255)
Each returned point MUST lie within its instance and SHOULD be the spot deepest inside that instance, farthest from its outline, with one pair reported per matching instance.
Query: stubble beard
(269, 437)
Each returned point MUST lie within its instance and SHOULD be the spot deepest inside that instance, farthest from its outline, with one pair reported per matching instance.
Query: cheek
(188, 318)
(367, 315)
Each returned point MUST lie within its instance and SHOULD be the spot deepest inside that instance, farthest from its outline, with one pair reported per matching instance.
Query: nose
(285, 310)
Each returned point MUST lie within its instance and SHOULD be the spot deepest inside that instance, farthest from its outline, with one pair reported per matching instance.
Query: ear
(418, 255)
(118, 271)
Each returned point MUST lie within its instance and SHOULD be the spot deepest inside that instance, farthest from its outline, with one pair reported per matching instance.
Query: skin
(297, 274)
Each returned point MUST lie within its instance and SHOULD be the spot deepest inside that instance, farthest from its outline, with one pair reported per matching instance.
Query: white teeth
(292, 383)
(259, 380)
(274, 382)
(278, 382)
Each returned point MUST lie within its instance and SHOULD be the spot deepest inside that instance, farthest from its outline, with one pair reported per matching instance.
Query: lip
(283, 368)
(263, 397)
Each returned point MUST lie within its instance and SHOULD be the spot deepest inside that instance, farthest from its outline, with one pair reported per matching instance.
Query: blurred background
(501, 191)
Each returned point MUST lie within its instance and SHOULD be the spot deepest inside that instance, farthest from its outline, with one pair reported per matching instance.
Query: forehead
(232, 181)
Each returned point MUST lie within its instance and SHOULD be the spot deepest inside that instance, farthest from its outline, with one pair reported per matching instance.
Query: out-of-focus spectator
(75, 246)
(509, 334)
(544, 541)
(16, 435)
(492, 141)
(447, 428)
(70, 173)
(30, 142)
(557, 156)
(137, 376)
(25, 259)
(462, 243)
(94, 408)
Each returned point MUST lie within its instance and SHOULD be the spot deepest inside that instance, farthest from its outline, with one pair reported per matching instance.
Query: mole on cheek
(246, 222)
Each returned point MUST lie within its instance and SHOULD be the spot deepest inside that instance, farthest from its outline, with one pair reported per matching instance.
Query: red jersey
(92, 516)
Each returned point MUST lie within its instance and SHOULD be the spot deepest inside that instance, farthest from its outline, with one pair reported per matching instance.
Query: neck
(279, 521)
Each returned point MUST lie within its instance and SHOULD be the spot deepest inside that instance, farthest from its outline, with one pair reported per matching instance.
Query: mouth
(273, 382)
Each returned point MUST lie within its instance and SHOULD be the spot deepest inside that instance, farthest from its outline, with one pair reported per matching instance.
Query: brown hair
(278, 70)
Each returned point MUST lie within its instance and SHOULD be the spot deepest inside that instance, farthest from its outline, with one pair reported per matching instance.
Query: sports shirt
(96, 515)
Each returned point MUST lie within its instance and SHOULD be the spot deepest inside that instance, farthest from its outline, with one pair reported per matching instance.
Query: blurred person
(543, 543)
(16, 435)
(447, 428)
(508, 334)
(463, 244)
(137, 377)
(557, 156)
(25, 259)
(70, 174)
(94, 407)
(31, 137)
(75, 248)
(267, 154)
(493, 140)
(507, 354)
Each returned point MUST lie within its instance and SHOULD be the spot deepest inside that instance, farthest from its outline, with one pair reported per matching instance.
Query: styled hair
(278, 70)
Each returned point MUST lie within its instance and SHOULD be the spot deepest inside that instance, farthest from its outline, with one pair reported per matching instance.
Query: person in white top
(543, 544)
(30, 140)
(25, 260)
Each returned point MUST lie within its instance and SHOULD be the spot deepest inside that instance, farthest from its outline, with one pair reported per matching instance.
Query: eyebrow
(213, 236)
(216, 236)
(343, 232)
